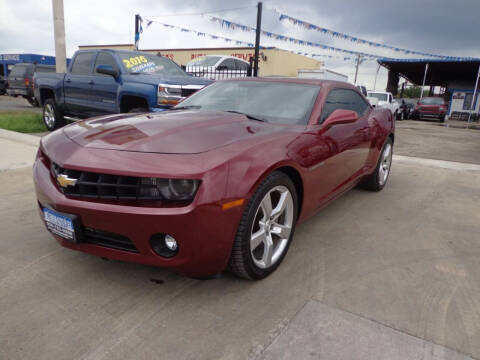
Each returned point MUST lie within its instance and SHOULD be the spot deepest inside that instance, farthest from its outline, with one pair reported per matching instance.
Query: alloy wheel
(49, 116)
(272, 227)
(385, 164)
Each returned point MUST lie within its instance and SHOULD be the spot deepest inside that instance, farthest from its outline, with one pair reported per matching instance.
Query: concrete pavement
(393, 274)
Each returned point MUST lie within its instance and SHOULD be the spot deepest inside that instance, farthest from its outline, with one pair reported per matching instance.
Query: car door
(78, 85)
(348, 144)
(105, 87)
(225, 69)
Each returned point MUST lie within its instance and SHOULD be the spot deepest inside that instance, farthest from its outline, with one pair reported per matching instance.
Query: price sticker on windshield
(134, 61)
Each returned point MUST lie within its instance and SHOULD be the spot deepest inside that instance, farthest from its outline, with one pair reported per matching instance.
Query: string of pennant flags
(343, 36)
(233, 25)
(230, 40)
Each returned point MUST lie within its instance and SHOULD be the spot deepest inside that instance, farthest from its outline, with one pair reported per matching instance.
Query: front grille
(106, 186)
(188, 92)
(107, 239)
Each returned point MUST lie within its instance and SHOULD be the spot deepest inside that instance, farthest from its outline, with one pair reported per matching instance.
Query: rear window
(204, 61)
(432, 101)
(18, 70)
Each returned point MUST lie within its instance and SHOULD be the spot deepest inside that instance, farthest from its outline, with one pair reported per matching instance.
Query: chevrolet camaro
(217, 183)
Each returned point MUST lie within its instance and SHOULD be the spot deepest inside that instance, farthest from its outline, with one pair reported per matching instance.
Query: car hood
(170, 132)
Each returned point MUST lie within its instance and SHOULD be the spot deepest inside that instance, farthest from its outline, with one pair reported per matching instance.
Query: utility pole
(137, 30)
(472, 105)
(257, 39)
(424, 79)
(356, 69)
(376, 75)
(59, 33)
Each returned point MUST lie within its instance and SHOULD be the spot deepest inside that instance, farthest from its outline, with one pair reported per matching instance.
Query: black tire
(374, 182)
(50, 108)
(138, 110)
(32, 101)
(241, 261)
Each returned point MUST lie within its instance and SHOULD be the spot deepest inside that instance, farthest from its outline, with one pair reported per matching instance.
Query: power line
(204, 12)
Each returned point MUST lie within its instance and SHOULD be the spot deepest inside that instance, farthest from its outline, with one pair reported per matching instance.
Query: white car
(383, 99)
(216, 67)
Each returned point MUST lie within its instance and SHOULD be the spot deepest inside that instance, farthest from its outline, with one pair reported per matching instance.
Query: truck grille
(107, 239)
(105, 186)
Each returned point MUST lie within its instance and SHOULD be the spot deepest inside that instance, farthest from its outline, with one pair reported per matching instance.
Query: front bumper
(204, 232)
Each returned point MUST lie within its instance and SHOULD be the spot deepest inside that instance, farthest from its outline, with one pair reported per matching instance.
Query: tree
(411, 92)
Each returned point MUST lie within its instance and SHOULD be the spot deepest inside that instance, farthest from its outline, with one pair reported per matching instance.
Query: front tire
(52, 116)
(266, 228)
(378, 179)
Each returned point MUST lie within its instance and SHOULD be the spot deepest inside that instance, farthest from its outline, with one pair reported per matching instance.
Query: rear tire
(52, 116)
(378, 179)
(266, 228)
(32, 101)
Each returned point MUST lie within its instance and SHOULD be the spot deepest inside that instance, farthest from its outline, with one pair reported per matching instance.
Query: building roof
(440, 72)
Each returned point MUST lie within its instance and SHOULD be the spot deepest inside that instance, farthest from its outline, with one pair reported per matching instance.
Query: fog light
(164, 245)
(170, 242)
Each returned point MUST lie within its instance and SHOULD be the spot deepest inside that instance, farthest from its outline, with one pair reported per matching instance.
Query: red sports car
(218, 182)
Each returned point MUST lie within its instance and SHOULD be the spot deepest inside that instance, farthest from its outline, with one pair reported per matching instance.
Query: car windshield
(431, 101)
(144, 63)
(204, 61)
(272, 101)
(379, 96)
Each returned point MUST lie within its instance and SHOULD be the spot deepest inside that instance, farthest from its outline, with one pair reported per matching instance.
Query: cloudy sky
(442, 27)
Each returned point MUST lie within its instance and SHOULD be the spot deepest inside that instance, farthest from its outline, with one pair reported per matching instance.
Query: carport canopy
(440, 72)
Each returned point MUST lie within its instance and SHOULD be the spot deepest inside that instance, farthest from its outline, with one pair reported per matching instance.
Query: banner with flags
(342, 36)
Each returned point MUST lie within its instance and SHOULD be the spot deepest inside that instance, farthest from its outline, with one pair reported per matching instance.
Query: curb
(19, 137)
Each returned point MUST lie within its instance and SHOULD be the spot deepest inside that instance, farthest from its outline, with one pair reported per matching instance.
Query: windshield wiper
(186, 107)
(247, 115)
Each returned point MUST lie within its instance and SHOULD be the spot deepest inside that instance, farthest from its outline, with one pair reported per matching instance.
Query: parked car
(216, 67)
(20, 80)
(385, 100)
(405, 110)
(219, 181)
(3, 85)
(100, 82)
(433, 107)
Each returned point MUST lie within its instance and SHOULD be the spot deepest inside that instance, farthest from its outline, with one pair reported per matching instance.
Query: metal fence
(212, 73)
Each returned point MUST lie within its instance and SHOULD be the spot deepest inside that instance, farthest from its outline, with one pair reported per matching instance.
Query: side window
(240, 65)
(82, 64)
(104, 58)
(344, 99)
(228, 64)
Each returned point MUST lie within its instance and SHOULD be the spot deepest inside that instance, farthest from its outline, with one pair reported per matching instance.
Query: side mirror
(340, 116)
(107, 70)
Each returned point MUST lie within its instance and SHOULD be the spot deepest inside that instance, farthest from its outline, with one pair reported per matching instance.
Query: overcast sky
(442, 27)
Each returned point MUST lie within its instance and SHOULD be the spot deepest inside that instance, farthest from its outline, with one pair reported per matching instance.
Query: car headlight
(169, 189)
(169, 94)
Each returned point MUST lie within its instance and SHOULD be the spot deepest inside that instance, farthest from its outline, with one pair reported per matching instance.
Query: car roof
(318, 82)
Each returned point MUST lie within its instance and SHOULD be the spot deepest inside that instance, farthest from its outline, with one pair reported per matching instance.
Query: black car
(3, 85)
(20, 80)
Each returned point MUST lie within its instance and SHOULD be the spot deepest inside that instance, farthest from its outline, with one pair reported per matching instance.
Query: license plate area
(64, 225)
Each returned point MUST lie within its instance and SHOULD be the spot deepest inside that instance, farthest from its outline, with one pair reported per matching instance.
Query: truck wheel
(377, 180)
(52, 116)
(32, 101)
(138, 110)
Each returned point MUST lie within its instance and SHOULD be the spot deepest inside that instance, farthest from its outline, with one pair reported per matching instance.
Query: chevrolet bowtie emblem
(64, 181)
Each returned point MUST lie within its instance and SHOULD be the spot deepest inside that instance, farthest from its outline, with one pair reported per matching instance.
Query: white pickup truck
(384, 100)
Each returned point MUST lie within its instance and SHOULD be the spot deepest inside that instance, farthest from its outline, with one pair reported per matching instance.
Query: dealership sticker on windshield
(59, 224)
(134, 60)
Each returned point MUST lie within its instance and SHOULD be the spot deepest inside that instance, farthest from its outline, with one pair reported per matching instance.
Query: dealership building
(8, 60)
(272, 61)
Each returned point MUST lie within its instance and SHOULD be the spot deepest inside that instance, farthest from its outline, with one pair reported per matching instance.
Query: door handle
(91, 82)
(68, 80)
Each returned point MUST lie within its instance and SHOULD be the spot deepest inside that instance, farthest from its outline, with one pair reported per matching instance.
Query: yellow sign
(134, 60)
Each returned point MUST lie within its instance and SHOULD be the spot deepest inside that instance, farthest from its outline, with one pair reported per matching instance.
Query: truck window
(82, 64)
(105, 58)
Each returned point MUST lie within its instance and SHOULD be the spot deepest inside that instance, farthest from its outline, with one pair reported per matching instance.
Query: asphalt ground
(387, 275)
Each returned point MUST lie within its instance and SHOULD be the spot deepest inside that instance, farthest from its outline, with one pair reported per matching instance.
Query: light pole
(59, 33)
